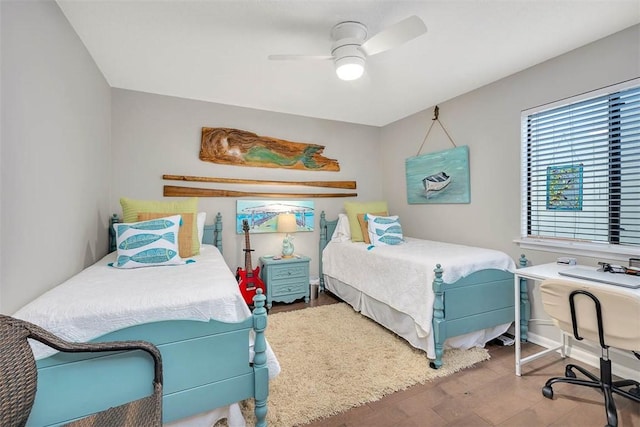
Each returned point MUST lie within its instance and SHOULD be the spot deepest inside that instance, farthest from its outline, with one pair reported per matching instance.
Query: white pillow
(200, 221)
(384, 230)
(342, 233)
(148, 243)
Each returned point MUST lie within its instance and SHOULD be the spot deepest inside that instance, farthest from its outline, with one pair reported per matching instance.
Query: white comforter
(102, 299)
(401, 276)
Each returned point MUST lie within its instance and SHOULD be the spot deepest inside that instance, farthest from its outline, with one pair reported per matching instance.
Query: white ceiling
(217, 50)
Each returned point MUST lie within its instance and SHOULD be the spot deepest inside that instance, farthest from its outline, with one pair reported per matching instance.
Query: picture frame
(564, 187)
(262, 215)
(439, 177)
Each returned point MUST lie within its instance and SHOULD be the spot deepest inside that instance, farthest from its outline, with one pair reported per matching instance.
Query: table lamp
(287, 224)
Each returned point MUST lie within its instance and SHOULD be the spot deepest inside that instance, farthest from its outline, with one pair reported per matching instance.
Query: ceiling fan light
(350, 68)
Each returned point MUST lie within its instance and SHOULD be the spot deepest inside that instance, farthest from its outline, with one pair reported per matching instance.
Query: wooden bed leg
(112, 233)
(217, 237)
(260, 359)
(525, 312)
(323, 243)
(438, 318)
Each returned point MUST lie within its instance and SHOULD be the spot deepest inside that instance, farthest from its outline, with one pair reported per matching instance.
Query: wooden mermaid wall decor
(242, 148)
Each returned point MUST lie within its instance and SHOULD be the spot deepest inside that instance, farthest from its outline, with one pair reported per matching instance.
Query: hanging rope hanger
(436, 113)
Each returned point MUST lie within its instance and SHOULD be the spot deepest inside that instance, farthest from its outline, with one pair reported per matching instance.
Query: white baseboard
(620, 359)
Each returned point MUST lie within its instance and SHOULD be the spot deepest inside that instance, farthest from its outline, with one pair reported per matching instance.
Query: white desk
(540, 273)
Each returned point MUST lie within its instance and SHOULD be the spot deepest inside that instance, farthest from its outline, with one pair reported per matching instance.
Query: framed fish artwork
(564, 187)
(439, 177)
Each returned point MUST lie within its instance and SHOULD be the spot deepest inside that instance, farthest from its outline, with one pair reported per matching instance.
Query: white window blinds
(581, 168)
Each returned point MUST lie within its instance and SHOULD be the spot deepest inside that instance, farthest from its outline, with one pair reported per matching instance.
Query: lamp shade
(287, 223)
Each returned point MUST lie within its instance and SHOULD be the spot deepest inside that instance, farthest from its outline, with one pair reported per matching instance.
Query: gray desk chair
(18, 378)
(608, 315)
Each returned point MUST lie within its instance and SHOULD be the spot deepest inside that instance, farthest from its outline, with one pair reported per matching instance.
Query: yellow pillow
(185, 242)
(354, 208)
(364, 224)
(131, 208)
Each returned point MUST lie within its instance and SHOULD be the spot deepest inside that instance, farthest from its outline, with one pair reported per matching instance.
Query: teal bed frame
(480, 300)
(205, 364)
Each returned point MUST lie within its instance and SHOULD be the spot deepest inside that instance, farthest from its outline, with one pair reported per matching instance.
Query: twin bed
(432, 294)
(213, 348)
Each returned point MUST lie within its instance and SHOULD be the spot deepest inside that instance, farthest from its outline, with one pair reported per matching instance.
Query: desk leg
(519, 360)
(516, 295)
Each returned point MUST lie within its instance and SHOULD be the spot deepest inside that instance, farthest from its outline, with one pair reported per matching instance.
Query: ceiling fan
(351, 46)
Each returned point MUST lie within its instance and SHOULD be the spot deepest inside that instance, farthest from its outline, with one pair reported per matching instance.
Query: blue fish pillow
(384, 230)
(148, 243)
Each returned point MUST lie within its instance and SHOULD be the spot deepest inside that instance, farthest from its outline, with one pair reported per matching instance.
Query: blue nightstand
(286, 279)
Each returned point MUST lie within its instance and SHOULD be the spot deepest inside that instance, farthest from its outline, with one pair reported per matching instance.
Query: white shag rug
(334, 359)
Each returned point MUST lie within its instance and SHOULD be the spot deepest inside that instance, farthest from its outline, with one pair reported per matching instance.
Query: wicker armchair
(18, 377)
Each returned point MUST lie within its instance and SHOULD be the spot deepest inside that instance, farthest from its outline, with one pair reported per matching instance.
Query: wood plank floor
(489, 394)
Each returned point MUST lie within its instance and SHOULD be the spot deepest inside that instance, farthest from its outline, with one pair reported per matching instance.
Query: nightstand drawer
(290, 271)
(286, 288)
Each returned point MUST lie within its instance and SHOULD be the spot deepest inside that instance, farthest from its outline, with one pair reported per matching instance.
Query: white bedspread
(401, 276)
(102, 299)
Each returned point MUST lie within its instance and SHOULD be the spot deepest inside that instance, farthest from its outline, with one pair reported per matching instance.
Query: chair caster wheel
(547, 392)
(568, 372)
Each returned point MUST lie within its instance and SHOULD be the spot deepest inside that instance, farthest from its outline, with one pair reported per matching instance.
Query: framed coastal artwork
(564, 188)
(439, 177)
(262, 215)
(243, 148)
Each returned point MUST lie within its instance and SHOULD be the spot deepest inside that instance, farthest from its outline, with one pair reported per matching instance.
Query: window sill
(593, 250)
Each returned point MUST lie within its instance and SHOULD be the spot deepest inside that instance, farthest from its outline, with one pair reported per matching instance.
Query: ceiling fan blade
(395, 35)
(298, 57)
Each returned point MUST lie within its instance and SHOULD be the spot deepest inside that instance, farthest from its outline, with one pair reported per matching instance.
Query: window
(581, 170)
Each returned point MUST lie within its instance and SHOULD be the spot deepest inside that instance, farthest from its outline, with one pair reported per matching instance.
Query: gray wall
(55, 153)
(63, 128)
(153, 135)
(488, 121)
